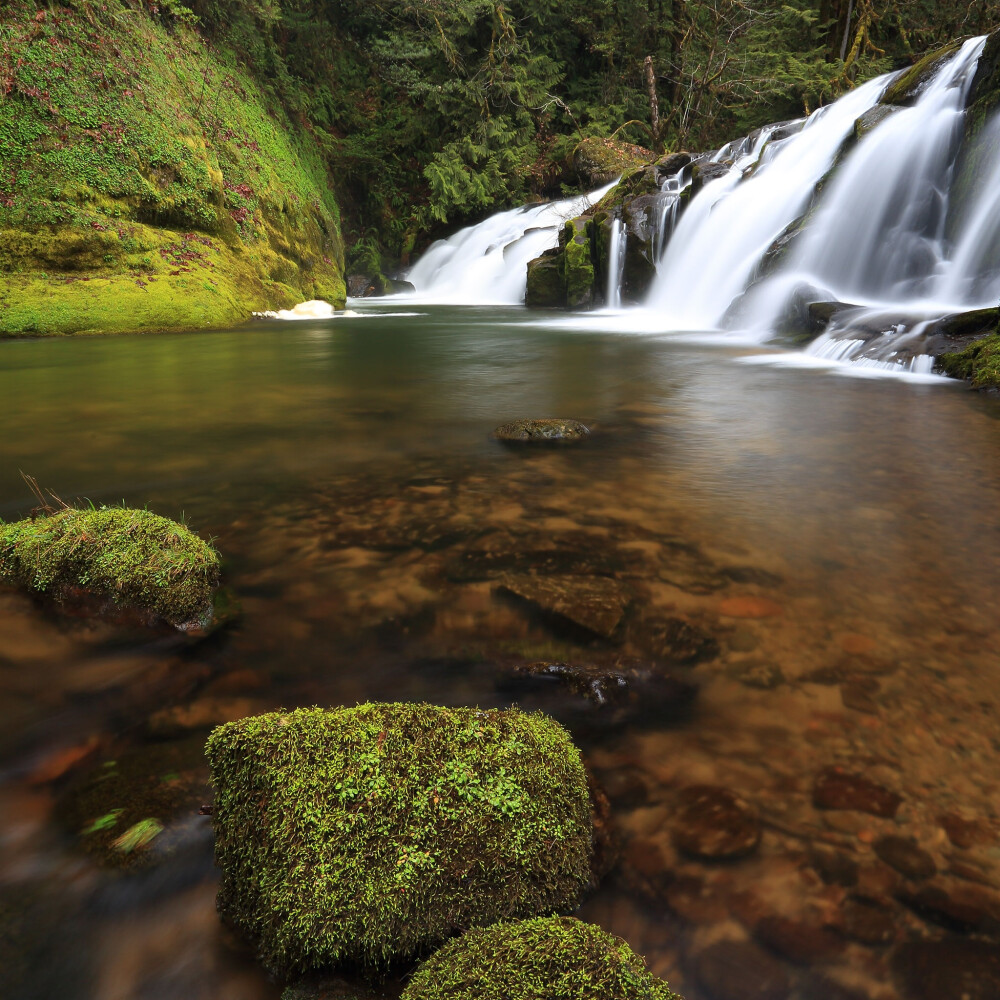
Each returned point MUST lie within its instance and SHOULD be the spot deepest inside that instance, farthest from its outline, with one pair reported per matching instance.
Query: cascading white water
(879, 232)
(487, 263)
(878, 238)
(731, 222)
(616, 264)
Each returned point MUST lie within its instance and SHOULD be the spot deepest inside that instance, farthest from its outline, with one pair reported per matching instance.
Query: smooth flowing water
(808, 565)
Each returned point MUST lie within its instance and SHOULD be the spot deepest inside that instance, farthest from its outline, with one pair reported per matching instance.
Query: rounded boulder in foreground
(549, 958)
(547, 430)
(364, 835)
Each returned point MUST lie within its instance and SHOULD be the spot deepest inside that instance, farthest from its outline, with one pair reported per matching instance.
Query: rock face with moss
(130, 558)
(150, 182)
(371, 833)
(549, 958)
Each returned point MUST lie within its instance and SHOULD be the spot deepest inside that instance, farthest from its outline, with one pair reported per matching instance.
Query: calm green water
(836, 537)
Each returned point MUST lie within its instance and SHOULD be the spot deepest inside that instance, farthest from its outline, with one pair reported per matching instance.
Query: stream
(830, 545)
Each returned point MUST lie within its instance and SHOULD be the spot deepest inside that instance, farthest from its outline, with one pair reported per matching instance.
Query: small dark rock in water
(594, 604)
(949, 970)
(676, 641)
(623, 692)
(869, 921)
(834, 868)
(549, 430)
(837, 789)
(798, 941)
(905, 856)
(858, 694)
(625, 787)
(740, 970)
(714, 823)
(816, 985)
(958, 907)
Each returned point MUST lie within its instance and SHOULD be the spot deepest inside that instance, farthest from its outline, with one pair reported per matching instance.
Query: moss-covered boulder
(979, 363)
(549, 958)
(372, 833)
(546, 287)
(576, 264)
(599, 161)
(151, 181)
(130, 559)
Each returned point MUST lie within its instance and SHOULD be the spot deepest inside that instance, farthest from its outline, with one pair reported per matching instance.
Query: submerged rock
(714, 824)
(594, 604)
(740, 970)
(838, 789)
(127, 558)
(949, 970)
(366, 834)
(551, 958)
(545, 430)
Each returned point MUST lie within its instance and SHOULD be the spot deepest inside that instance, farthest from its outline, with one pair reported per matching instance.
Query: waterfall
(732, 221)
(616, 264)
(879, 237)
(846, 225)
(488, 262)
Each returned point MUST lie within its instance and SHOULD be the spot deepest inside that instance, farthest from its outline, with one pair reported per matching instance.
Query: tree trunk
(654, 104)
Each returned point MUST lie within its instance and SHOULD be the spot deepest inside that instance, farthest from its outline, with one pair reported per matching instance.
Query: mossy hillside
(979, 363)
(549, 958)
(118, 139)
(372, 833)
(131, 557)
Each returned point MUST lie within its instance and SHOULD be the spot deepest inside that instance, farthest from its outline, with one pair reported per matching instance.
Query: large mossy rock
(131, 558)
(151, 182)
(546, 286)
(576, 264)
(906, 89)
(979, 363)
(550, 958)
(599, 161)
(372, 833)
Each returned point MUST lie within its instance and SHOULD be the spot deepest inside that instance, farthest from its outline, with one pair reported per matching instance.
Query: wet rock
(547, 430)
(546, 287)
(905, 856)
(675, 640)
(859, 695)
(868, 921)
(872, 118)
(540, 554)
(948, 970)
(838, 789)
(799, 941)
(646, 868)
(967, 833)
(834, 868)
(749, 607)
(605, 841)
(594, 604)
(956, 906)
(624, 692)
(752, 575)
(714, 824)
(202, 714)
(672, 163)
(740, 970)
(908, 87)
(705, 173)
(764, 676)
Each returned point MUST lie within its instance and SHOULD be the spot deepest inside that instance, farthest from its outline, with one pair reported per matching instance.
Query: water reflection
(832, 543)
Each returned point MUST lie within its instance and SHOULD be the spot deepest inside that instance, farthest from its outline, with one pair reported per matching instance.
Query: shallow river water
(799, 570)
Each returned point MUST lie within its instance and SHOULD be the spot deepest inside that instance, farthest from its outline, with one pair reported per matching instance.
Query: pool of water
(830, 546)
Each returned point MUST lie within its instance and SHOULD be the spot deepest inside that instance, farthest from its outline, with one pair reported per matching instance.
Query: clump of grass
(549, 958)
(132, 557)
(372, 833)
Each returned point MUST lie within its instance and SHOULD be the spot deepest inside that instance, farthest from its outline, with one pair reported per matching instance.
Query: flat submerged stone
(546, 430)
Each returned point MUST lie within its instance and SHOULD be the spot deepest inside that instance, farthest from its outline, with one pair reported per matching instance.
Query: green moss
(550, 958)
(545, 287)
(979, 363)
(131, 557)
(120, 139)
(369, 833)
(576, 264)
(599, 160)
(908, 87)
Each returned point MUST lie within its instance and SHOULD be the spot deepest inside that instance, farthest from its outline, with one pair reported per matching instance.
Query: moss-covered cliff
(148, 181)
